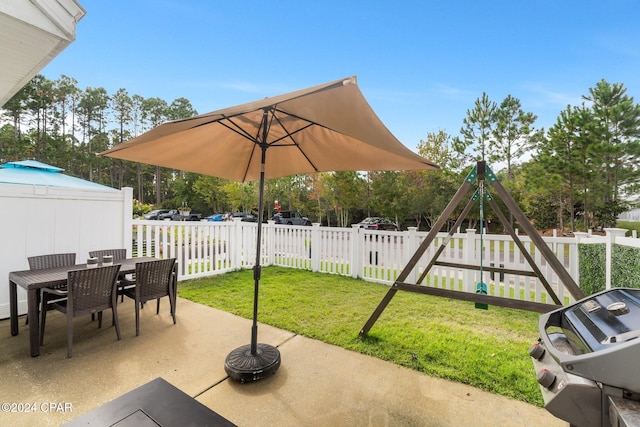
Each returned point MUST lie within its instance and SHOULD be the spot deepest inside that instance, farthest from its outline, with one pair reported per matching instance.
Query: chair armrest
(125, 281)
(61, 292)
(114, 289)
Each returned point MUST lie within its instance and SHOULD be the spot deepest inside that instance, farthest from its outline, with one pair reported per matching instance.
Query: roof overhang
(32, 33)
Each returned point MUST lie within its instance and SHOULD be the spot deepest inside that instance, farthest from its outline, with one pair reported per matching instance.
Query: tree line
(579, 174)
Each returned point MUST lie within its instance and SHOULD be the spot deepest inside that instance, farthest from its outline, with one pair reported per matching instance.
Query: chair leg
(158, 306)
(69, 333)
(137, 317)
(114, 315)
(173, 298)
(173, 309)
(43, 319)
(99, 319)
(172, 302)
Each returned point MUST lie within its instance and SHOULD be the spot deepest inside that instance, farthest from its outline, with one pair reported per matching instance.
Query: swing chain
(481, 287)
(482, 192)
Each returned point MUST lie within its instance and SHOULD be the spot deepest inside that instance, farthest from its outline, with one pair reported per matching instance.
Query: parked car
(245, 216)
(168, 214)
(155, 214)
(193, 216)
(217, 217)
(378, 223)
(174, 215)
(290, 218)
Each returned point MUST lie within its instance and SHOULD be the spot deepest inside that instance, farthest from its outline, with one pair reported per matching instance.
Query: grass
(441, 337)
(629, 225)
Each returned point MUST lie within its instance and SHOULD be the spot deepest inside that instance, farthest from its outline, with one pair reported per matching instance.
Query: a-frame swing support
(481, 172)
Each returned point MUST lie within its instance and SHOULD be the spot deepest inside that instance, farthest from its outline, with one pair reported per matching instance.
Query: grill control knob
(618, 308)
(546, 378)
(536, 351)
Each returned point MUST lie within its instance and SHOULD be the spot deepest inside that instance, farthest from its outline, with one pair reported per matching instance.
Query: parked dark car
(290, 218)
(378, 223)
(168, 214)
(245, 216)
(155, 214)
(173, 215)
(193, 216)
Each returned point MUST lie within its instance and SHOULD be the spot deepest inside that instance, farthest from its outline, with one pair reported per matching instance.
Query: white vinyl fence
(208, 248)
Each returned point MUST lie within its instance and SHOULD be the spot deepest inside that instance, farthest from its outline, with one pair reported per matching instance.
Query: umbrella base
(242, 366)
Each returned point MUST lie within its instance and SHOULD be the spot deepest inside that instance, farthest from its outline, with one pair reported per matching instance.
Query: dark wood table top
(36, 279)
(156, 403)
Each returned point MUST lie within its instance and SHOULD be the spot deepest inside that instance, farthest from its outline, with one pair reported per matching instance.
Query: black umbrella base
(242, 366)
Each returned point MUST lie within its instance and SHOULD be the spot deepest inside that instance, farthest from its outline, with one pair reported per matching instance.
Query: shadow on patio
(317, 384)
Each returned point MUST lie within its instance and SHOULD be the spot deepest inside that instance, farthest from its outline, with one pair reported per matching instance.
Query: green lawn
(629, 225)
(441, 337)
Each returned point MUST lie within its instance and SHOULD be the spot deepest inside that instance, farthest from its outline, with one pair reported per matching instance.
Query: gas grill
(587, 360)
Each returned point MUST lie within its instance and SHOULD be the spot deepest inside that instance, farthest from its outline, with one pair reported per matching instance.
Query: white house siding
(32, 33)
(632, 215)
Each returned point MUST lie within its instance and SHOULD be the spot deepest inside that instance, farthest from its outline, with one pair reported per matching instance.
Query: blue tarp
(32, 172)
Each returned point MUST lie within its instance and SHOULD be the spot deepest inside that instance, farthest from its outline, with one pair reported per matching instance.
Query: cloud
(618, 44)
(240, 86)
(543, 96)
(453, 92)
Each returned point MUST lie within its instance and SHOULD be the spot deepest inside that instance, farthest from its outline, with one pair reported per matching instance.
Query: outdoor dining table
(34, 280)
(156, 403)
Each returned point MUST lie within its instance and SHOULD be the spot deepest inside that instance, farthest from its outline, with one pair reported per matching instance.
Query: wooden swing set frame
(481, 172)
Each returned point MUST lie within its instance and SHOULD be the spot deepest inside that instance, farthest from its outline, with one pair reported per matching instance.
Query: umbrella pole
(257, 268)
(255, 361)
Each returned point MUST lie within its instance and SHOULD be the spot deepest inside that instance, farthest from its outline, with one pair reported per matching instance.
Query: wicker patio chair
(118, 254)
(89, 291)
(51, 261)
(40, 262)
(154, 280)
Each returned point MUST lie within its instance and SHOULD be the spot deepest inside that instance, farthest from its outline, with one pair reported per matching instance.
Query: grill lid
(601, 331)
(604, 319)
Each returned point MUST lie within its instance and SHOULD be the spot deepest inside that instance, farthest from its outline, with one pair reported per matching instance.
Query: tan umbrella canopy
(329, 127)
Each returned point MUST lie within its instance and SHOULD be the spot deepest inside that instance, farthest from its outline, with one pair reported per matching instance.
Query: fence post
(469, 258)
(357, 250)
(579, 235)
(574, 271)
(315, 247)
(612, 234)
(127, 232)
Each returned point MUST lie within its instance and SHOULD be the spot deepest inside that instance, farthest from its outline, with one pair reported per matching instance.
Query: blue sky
(420, 64)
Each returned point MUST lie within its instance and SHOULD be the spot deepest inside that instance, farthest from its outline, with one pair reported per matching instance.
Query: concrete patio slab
(317, 385)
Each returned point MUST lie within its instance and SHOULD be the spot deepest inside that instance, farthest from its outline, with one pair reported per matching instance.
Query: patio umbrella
(328, 127)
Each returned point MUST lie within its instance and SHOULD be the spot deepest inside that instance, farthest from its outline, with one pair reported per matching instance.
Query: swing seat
(481, 288)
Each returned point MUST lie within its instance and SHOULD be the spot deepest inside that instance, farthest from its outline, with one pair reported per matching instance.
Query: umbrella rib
(290, 135)
(245, 134)
(230, 124)
(238, 129)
